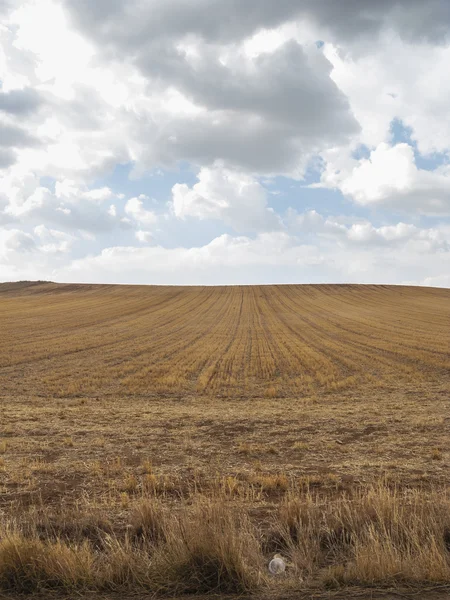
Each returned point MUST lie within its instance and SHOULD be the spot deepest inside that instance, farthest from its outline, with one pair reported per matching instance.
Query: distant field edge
(23, 284)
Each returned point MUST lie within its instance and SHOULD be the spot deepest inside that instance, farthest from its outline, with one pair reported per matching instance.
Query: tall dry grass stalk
(209, 548)
(377, 536)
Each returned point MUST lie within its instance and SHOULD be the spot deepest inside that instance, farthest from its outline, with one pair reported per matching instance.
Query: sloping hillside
(256, 341)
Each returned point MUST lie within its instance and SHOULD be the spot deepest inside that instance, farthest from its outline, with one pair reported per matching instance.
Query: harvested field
(315, 419)
(256, 341)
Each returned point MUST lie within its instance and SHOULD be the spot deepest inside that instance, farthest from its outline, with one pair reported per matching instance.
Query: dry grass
(204, 548)
(379, 536)
(168, 440)
(376, 536)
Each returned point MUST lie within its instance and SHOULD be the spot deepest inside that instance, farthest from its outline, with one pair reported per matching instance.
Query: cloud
(136, 210)
(134, 23)
(7, 158)
(69, 206)
(437, 281)
(397, 80)
(53, 241)
(276, 257)
(15, 137)
(225, 259)
(360, 20)
(232, 92)
(5, 6)
(145, 237)
(232, 197)
(364, 234)
(25, 255)
(289, 86)
(50, 88)
(315, 249)
(19, 102)
(265, 113)
(389, 177)
(14, 240)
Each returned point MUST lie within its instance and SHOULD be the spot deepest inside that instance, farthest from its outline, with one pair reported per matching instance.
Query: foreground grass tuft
(213, 549)
(30, 565)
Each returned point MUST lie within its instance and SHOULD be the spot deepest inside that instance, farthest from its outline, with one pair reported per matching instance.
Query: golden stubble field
(314, 408)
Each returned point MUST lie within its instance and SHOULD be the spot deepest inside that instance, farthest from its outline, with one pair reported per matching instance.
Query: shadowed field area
(310, 420)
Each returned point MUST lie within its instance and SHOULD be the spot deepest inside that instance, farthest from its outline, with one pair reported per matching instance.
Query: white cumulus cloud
(389, 177)
(135, 209)
(235, 198)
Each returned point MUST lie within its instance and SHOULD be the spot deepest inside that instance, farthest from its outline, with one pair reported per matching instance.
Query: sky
(225, 142)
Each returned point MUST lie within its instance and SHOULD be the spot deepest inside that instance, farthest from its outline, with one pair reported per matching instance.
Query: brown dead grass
(126, 413)
(378, 536)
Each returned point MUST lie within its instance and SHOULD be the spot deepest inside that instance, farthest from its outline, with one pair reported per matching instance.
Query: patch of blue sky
(156, 184)
(362, 151)
(190, 232)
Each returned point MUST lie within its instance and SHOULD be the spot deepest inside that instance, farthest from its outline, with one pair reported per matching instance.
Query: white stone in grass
(277, 565)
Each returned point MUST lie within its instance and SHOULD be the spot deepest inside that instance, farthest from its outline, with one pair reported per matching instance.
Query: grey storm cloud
(265, 114)
(242, 143)
(288, 86)
(131, 24)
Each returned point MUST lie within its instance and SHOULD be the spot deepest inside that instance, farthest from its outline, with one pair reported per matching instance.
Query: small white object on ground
(277, 565)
